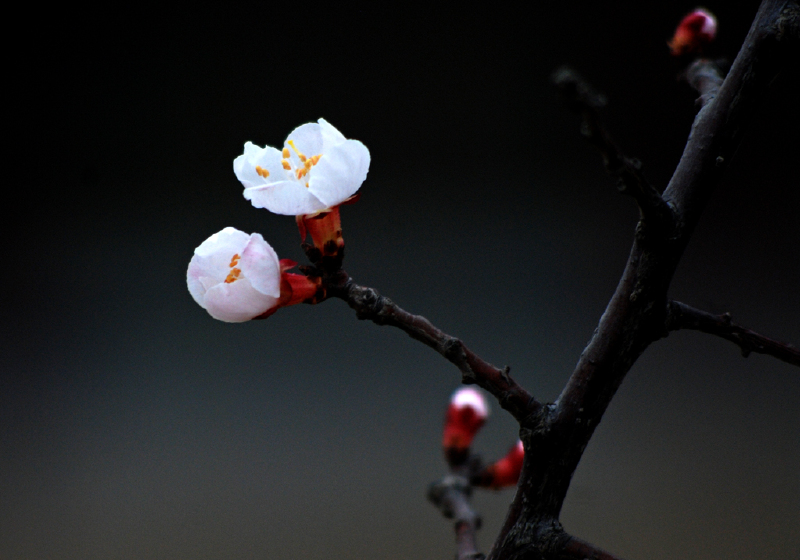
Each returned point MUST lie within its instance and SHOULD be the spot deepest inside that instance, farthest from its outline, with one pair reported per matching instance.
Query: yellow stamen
(308, 162)
(234, 260)
(261, 171)
(299, 153)
(233, 276)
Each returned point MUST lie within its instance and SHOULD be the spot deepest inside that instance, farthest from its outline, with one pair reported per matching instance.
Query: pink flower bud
(466, 414)
(694, 33)
(237, 277)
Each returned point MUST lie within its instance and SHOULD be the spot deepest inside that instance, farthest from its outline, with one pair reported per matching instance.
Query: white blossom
(318, 168)
(235, 276)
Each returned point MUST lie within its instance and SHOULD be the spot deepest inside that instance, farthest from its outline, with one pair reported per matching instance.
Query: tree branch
(682, 316)
(577, 549)
(770, 44)
(706, 78)
(581, 98)
(636, 314)
(451, 495)
(369, 304)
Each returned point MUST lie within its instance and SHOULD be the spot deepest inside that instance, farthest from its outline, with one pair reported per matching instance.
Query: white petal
(237, 302)
(307, 138)
(197, 287)
(291, 198)
(212, 258)
(330, 136)
(267, 158)
(229, 238)
(255, 290)
(339, 173)
(260, 265)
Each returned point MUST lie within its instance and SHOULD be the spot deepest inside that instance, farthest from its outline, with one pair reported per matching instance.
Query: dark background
(134, 426)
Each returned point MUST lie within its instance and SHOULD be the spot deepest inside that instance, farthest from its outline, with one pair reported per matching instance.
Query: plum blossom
(317, 169)
(237, 277)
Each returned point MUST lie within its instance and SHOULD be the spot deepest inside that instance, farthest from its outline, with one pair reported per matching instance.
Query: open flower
(237, 277)
(466, 414)
(317, 169)
(694, 33)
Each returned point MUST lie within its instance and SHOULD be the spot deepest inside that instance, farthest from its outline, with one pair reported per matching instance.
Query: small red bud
(694, 33)
(466, 414)
(504, 472)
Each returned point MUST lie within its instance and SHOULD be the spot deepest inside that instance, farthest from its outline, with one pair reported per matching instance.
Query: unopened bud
(504, 472)
(466, 414)
(694, 33)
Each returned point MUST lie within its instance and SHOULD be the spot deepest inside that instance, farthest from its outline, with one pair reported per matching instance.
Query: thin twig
(706, 78)
(682, 316)
(369, 304)
(581, 98)
(451, 495)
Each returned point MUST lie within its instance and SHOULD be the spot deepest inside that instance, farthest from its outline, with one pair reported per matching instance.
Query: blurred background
(134, 426)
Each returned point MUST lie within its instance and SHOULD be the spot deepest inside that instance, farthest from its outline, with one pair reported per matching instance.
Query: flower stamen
(308, 162)
(233, 276)
(300, 154)
(262, 172)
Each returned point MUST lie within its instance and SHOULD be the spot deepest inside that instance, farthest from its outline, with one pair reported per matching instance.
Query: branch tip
(681, 316)
(582, 98)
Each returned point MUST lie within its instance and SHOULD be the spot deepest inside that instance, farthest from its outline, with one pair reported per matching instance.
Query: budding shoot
(694, 33)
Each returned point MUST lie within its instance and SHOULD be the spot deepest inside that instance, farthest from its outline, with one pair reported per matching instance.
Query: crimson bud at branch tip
(466, 414)
(694, 33)
(504, 472)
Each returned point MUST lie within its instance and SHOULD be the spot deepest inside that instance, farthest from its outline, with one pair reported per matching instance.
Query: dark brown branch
(717, 129)
(369, 304)
(682, 316)
(581, 98)
(637, 310)
(636, 314)
(451, 495)
(577, 549)
(706, 77)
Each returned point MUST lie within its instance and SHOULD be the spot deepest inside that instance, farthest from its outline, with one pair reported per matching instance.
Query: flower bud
(694, 33)
(466, 414)
(237, 277)
(504, 472)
